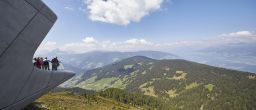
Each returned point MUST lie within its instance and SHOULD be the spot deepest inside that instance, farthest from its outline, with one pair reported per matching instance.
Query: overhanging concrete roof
(23, 26)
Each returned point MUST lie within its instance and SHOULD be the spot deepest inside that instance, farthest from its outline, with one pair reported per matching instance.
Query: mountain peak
(139, 58)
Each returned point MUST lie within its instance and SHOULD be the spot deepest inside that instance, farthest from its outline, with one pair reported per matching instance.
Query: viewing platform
(24, 25)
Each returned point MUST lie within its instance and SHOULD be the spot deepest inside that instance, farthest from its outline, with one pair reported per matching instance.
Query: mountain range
(82, 62)
(238, 55)
(180, 83)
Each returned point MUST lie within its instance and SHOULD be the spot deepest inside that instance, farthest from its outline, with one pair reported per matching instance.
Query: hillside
(80, 63)
(66, 100)
(109, 99)
(183, 84)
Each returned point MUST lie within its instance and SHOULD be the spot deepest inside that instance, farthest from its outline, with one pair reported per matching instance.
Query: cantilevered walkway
(23, 26)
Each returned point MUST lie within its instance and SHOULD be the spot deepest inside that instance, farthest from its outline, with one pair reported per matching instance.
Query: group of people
(44, 63)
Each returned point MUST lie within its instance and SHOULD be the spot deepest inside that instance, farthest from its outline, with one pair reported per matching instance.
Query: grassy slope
(68, 101)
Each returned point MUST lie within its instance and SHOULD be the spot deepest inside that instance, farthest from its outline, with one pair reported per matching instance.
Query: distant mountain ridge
(233, 48)
(183, 84)
(91, 60)
(239, 56)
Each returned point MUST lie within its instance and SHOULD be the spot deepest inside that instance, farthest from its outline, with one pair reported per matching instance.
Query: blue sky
(86, 25)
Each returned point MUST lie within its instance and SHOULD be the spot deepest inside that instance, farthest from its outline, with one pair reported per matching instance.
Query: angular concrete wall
(23, 26)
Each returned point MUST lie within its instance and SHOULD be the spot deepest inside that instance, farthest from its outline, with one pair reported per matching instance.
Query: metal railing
(60, 67)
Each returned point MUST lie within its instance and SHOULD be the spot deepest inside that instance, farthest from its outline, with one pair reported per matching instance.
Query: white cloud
(89, 40)
(121, 12)
(234, 37)
(183, 44)
(77, 47)
(86, 44)
(138, 42)
(90, 44)
(239, 34)
(135, 44)
(48, 46)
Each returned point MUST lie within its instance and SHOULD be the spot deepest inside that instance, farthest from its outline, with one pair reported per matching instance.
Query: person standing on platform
(46, 64)
(55, 64)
